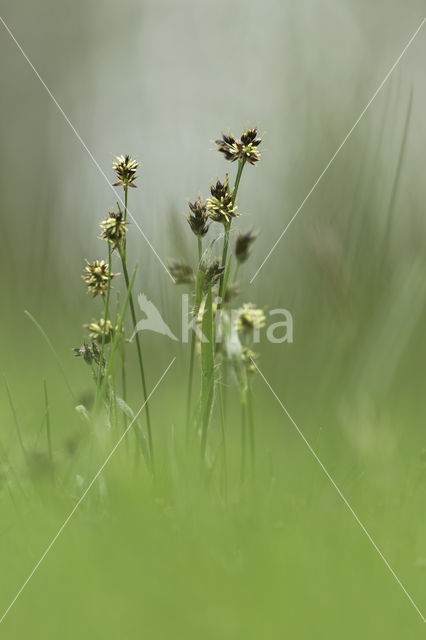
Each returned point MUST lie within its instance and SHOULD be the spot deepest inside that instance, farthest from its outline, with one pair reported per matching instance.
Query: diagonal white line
(342, 144)
(82, 497)
(299, 431)
(84, 145)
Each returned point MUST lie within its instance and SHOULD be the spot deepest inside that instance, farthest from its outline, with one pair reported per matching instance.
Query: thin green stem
(222, 277)
(48, 430)
(52, 348)
(252, 442)
(236, 270)
(16, 421)
(243, 440)
(192, 348)
(241, 164)
(117, 335)
(140, 360)
(222, 284)
(223, 430)
(106, 318)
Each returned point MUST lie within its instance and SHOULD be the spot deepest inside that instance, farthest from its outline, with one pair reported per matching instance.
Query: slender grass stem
(222, 284)
(16, 421)
(251, 433)
(243, 441)
(117, 334)
(193, 340)
(106, 318)
(241, 164)
(222, 428)
(140, 360)
(48, 431)
(236, 270)
(52, 348)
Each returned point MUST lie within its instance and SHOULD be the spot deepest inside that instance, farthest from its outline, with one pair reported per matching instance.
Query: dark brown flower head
(220, 206)
(97, 277)
(243, 148)
(181, 271)
(125, 168)
(198, 217)
(114, 228)
(243, 245)
(212, 273)
(89, 352)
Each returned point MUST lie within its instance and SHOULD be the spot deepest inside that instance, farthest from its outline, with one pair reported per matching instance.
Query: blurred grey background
(160, 80)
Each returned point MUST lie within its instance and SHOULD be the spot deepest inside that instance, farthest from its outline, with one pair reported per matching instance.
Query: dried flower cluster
(182, 272)
(114, 229)
(220, 206)
(125, 169)
(198, 217)
(243, 245)
(97, 276)
(244, 148)
(250, 317)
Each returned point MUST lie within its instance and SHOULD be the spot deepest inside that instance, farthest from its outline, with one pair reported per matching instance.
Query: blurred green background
(160, 80)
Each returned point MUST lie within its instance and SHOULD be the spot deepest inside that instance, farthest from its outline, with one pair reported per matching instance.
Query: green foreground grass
(279, 556)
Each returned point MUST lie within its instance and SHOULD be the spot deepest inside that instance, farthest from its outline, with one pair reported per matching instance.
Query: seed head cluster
(212, 273)
(182, 272)
(125, 169)
(198, 217)
(97, 276)
(244, 148)
(221, 206)
(89, 352)
(98, 328)
(243, 245)
(114, 229)
(250, 317)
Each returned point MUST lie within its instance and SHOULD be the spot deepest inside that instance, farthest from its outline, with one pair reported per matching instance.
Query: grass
(219, 553)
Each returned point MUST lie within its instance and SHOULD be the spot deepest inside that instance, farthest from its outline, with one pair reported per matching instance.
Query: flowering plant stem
(140, 358)
(223, 278)
(197, 301)
(106, 318)
(123, 255)
(117, 333)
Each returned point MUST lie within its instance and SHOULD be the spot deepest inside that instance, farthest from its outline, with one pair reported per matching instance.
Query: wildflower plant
(222, 336)
(226, 334)
(106, 334)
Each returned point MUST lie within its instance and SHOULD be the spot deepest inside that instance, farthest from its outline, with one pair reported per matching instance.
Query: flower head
(98, 328)
(248, 357)
(114, 228)
(97, 276)
(221, 206)
(181, 271)
(250, 317)
(243, 148)
(89, 352)
(212, 273)
(125, 168)
(243, 245)
(198, 218)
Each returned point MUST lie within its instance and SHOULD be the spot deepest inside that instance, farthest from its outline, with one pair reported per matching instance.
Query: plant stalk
(197, 302)
(140, 359)
(106, 317)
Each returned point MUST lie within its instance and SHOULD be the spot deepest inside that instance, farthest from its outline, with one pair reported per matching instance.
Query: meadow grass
(213, 550)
